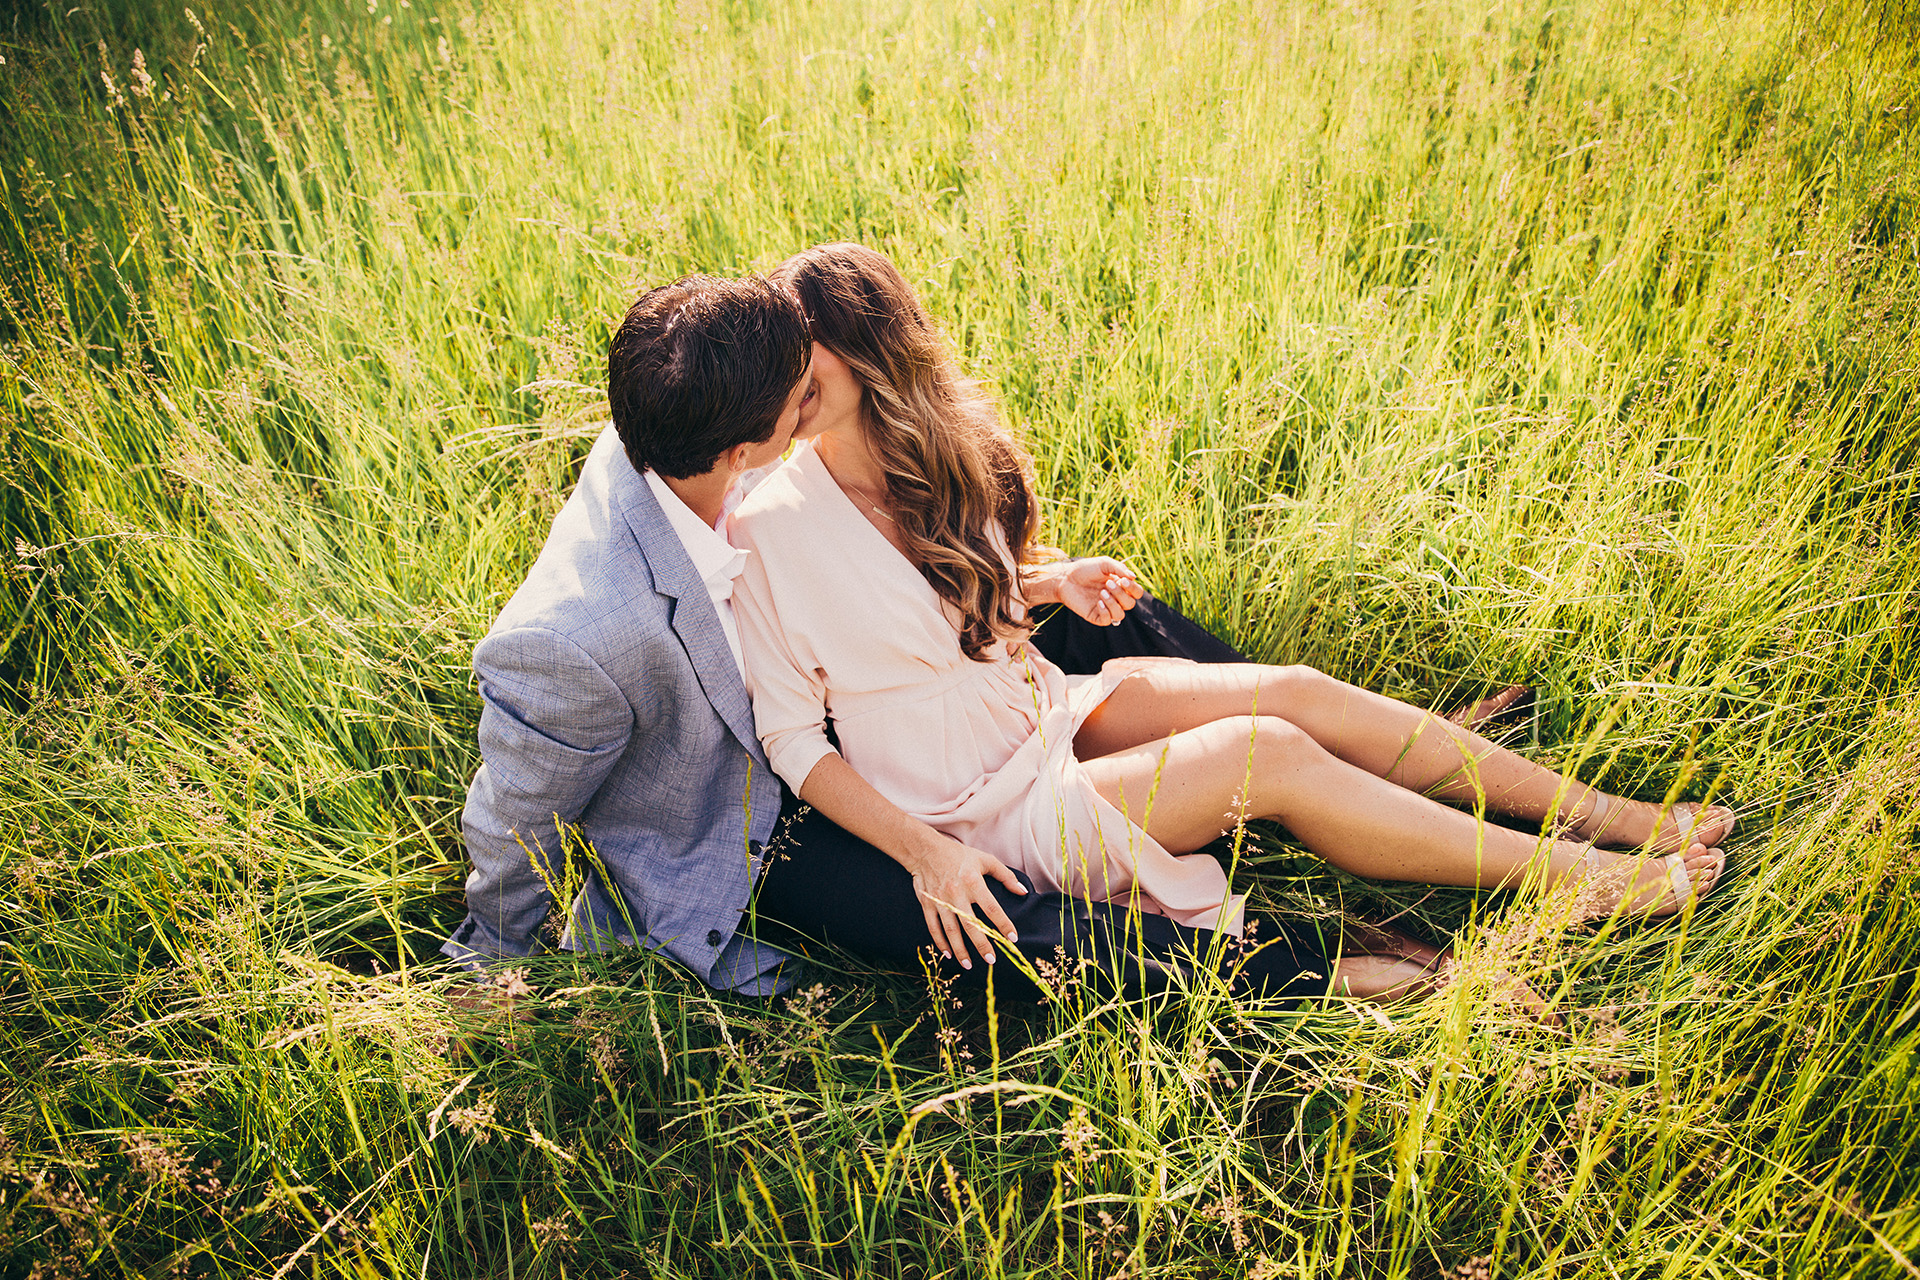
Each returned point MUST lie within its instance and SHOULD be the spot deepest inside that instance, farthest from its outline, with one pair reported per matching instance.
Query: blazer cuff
(473, 946)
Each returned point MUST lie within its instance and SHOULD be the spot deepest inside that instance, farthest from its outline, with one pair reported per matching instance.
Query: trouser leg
(1151, 629)
(1134, 954)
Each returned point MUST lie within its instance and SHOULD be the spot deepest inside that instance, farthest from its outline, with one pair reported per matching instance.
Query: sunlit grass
(1439, 346)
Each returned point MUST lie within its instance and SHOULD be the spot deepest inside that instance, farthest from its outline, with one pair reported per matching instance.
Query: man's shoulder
(594, 582)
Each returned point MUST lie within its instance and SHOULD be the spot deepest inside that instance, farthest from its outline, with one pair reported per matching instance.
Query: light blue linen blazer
(612, 705)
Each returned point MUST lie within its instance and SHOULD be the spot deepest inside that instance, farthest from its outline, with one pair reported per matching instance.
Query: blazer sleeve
(789, 689)
(552, 726)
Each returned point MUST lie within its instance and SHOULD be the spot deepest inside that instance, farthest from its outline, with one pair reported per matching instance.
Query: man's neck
(705, 493)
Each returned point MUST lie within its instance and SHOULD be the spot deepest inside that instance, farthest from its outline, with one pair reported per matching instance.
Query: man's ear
(735, 459)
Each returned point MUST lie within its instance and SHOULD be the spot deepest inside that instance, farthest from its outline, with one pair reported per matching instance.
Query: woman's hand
(951, 880)
(1098, 588)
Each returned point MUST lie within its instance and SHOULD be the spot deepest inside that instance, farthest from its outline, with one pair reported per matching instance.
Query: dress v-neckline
(828, 482)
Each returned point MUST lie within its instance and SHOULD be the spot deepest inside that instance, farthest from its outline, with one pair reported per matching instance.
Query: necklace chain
(856, 492)
(862, 494)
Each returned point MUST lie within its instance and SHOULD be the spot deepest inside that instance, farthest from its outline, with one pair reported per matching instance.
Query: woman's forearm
(1040, 581)
(851, 802)
(949, 879)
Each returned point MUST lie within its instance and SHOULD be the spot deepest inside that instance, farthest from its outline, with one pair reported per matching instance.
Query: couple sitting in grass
(822, 711)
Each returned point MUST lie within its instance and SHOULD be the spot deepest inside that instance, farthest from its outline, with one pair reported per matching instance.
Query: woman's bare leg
(1403, 744)
(1191, 787)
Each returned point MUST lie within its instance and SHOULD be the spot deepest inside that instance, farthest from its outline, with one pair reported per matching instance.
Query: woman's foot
(1646, 885)
(1617, 823)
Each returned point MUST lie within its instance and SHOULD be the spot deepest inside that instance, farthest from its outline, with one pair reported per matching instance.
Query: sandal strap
(1677, 876)
(1595, 824)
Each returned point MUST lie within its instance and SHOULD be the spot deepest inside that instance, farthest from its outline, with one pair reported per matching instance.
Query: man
(616, 723)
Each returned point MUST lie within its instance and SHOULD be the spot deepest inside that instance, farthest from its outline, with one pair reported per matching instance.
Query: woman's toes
(1650, 884)
(1711, 824)
(1690, 824)
(1704, 866)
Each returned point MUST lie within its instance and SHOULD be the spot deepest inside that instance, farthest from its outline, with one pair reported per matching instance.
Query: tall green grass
(1437, 345)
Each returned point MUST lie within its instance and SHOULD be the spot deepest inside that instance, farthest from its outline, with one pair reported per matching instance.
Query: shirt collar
(743, 485)
(714, 558)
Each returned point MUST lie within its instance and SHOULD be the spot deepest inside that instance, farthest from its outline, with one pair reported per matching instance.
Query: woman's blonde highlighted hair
(953, 472)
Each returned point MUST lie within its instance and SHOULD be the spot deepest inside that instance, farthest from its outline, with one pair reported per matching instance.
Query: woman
(886, 595)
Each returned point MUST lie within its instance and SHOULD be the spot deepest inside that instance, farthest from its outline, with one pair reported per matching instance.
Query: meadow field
(1437, 343)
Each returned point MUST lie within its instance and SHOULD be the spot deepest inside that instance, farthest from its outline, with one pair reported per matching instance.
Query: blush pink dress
(836, 623)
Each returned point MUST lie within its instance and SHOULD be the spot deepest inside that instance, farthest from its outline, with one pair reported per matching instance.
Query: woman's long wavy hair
(952, 470)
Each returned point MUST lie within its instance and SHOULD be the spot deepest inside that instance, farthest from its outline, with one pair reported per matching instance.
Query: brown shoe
(1493, 712)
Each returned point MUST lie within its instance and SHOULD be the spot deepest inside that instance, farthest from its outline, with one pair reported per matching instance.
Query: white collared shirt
(716, 560)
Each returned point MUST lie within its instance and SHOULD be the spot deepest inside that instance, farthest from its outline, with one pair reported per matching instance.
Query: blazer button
(713, 937)
(755, 849)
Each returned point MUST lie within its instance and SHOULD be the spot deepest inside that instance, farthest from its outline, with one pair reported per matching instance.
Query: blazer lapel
(692, 614)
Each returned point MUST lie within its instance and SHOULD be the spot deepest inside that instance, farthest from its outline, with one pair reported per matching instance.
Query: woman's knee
(1311, 682)
(1276, 743)
(1291, 690)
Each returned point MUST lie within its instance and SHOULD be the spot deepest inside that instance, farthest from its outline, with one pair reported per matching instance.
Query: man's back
(611, 702)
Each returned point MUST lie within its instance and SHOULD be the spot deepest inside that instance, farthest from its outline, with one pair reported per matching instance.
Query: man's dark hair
(701, 365)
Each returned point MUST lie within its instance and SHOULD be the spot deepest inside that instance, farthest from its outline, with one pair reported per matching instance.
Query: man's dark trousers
(824, 884)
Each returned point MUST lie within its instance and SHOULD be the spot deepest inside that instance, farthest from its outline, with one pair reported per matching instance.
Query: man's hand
(951, 880)
(1098, 588)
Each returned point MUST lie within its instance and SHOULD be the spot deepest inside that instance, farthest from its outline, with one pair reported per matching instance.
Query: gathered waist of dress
(1015, 681)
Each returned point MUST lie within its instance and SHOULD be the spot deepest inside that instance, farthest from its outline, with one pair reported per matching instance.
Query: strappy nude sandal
(1686, 815)
(1609, 871)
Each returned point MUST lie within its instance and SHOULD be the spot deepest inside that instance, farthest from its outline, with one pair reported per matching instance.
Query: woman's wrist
(1040, 583)
(846, 798)
(920, 848)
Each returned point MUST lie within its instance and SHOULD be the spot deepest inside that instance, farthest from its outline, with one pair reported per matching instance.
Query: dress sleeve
(788, 687)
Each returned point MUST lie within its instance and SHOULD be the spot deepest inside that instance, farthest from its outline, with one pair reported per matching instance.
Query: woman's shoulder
(780, 503)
